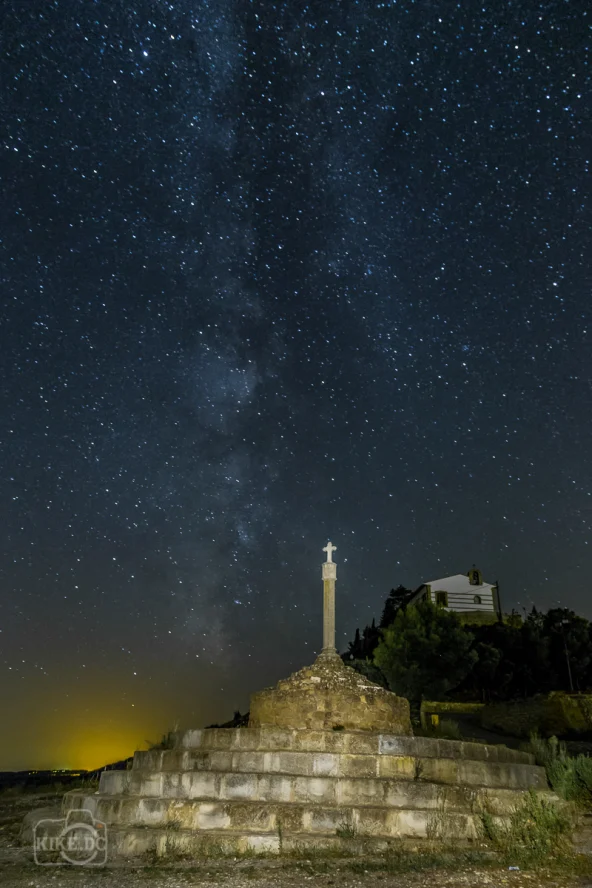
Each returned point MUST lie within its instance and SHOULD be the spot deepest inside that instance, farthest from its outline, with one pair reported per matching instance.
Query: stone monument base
(274, 790)
(330, 696)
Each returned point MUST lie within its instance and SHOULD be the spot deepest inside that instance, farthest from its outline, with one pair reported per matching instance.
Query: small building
(465, 594)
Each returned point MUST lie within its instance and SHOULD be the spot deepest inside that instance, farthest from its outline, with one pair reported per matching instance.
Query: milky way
(274, 273)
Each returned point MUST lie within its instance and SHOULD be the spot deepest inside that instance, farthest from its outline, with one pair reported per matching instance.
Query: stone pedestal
(276, 791)
(327, 696)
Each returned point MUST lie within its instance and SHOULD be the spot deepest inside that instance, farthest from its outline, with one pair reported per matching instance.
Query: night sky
(273, 273)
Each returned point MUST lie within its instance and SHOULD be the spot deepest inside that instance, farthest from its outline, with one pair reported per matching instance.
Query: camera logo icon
(77, 840)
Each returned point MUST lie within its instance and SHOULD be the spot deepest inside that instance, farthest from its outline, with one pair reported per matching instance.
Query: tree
(362, 648)
(425, 652)
(482, 678)
(396, 600)
(354, 650)
(570, 650)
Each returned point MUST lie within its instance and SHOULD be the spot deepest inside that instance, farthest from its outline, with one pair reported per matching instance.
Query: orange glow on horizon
(96, 742)
(91, 752)
(84, 731)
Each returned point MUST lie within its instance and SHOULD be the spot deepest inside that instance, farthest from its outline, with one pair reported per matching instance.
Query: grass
(399, 859)
(535, 831)
(569, 776)
(167, 742)
(346, 830)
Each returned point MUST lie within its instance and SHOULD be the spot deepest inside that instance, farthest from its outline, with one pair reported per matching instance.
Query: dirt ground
(273, 874)
(17, 869)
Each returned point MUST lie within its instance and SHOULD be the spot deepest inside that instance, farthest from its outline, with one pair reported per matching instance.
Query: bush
(167, 742)
(535, 831)
(569, 776)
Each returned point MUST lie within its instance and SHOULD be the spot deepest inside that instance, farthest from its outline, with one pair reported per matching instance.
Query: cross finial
(329, 549)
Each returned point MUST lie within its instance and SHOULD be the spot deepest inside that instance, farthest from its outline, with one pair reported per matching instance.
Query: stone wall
(555, 714)
(330, 696)
(448, 709)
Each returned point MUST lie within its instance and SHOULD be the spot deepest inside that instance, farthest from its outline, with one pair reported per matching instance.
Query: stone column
(329, 577)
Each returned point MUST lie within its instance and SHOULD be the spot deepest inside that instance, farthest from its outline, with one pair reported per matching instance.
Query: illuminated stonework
(329, 695)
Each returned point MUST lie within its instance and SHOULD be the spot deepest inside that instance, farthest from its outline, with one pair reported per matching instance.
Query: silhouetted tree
(397, 598)
(425, 652)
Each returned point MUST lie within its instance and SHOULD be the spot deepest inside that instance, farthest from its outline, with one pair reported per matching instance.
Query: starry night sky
(274, 273)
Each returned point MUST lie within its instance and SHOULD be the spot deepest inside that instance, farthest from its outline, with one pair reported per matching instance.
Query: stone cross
(329, 549)
(329, 577)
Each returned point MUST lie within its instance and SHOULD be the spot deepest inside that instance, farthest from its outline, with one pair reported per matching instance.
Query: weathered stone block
(172, 784)
(372, 821)
(359, 792)
(389, 744)
(251, 760)
(212, 760)
(142, 783)
(360, 743)
(335, 741)
(146, 811)
(262, 844)
(31, 821)
(276, 788)
(200, 784)
(397, 766)
(412, 794)
(113, 782)
(212, 817)
(438, 770)
(315, 741)
(252, 816)
(325, 820)
(243, 738)
(314, 789)
(359, 765)
(325, 764)
(412, 824)
(476, 752)
(272, 738)
(449, 749)
(239, 786)
(191, 739)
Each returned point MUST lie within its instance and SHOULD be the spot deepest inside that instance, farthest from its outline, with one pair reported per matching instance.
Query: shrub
(167, 742)
(535, 831)
(569, 776)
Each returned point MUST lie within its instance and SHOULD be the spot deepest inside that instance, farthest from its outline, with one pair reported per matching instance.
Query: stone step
(200, 817)
(303, 790)
(140, 842)
(283, 739)
(219, 767)
(311, 763)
